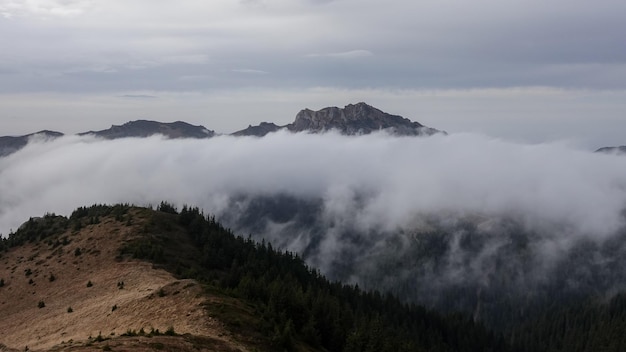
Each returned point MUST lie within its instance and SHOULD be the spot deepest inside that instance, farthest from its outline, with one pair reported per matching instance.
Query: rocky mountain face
(145, 128)
(10, 144)
(353, 119)
(613, 150)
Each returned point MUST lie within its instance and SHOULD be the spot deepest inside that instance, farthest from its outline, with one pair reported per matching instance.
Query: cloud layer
(392, 180)
(447, 221)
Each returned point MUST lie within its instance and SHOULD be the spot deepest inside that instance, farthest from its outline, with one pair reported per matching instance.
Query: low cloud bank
(449, 221)
(373, 182)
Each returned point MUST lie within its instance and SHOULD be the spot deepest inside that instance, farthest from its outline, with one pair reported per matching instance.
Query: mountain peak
(146, 128)
(356, 119)
(353, 119)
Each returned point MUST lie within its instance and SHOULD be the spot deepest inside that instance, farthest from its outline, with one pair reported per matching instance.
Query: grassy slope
(151, 298)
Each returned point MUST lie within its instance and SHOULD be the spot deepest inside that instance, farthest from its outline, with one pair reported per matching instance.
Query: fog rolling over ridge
(448, 209)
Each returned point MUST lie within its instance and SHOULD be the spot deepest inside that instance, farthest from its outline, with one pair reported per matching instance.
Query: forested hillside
(281, 303)
(276, 301)
(297, 304)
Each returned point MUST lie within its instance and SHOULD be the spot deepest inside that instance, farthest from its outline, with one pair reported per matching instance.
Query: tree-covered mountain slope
(121, 277)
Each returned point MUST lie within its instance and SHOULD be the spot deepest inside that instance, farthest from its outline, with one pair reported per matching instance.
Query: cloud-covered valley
(417, 216)
(393, 179)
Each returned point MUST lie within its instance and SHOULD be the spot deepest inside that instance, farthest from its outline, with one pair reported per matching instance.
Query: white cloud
(422, 45)
(249, 70)
(46, 8)
(382, 191)
(401, 177)
(186, 59)
(352, 54)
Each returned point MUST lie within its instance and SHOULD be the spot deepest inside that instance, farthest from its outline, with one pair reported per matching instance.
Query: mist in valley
(463, 222)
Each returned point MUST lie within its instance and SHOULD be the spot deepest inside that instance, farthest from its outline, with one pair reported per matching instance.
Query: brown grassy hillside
(75, 291)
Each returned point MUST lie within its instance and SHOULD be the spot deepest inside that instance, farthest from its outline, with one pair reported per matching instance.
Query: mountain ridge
(11, 144)
(353, 119)
(620, 150)
(147, 128)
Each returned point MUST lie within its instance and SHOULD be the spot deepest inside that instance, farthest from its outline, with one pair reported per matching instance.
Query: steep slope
(145, 128)
(74, 288)
(123, 278)
(493, 266)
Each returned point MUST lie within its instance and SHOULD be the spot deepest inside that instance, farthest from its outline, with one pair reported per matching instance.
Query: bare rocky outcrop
(356, 119)
(353, 119)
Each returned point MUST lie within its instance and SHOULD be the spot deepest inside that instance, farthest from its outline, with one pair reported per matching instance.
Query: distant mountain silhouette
(10, 144)
(613, 150)
(145, 128)
(353, 119)
(260, 130)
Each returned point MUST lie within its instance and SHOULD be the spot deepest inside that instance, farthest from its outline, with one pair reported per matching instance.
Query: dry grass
(150, 299)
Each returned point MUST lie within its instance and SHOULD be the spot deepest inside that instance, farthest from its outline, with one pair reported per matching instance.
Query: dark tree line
(585, 327)
(299, 305)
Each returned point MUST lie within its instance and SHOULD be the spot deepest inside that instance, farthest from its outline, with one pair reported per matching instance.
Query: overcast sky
(531, 70)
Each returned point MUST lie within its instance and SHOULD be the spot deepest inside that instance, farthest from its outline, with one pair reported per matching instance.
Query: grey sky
(527, 70)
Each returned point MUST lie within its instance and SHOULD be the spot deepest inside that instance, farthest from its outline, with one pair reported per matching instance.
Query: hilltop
(76, 288)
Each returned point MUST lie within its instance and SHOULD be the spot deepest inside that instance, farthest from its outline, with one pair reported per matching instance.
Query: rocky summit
(353, 119)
